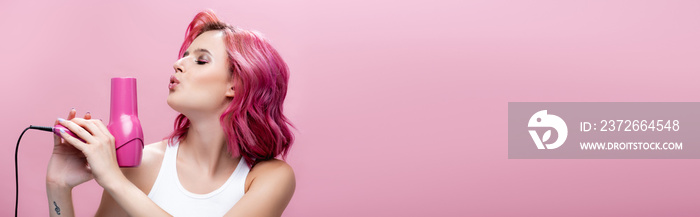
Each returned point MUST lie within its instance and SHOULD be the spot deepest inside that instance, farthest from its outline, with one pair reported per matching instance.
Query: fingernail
(61, 120)
(62, 130)
(72, 108)
(87, 113)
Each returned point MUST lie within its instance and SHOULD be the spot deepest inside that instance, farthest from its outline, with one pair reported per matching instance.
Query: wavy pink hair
(253, 122)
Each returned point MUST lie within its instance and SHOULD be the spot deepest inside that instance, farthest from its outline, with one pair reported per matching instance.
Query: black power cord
(49, 129)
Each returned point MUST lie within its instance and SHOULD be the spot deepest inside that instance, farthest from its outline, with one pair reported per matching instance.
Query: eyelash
(201, 62)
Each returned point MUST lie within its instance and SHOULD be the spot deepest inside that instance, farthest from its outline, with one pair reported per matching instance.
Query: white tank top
(168, 193)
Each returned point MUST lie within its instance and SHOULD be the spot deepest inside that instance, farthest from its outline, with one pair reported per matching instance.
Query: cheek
(212, 75)
(209, 88)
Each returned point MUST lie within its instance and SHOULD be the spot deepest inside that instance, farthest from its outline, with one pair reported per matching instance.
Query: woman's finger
(56, 138)
(104, 129)
(88, 116)
(78, 130)
(90, 127)
(71, 114)
(73, 141)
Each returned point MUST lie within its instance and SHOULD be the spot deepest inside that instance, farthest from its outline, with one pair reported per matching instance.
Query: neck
(205, 143)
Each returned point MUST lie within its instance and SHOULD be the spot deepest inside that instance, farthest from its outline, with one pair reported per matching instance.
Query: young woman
(228, 86)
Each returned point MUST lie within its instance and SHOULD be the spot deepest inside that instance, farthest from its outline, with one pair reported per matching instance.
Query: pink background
(401, 106)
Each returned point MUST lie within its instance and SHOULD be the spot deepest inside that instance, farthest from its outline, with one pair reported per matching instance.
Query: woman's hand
(98, 148)
(67, 167)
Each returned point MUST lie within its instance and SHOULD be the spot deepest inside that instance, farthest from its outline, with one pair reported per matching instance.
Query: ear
(229, 89)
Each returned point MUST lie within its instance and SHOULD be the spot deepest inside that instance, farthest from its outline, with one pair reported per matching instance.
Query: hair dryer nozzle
(124, 122)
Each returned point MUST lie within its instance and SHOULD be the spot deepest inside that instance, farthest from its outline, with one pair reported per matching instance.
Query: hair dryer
(124, 123)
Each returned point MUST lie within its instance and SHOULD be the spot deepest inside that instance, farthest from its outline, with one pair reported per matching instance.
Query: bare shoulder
(272, 165)
(273, 170)
(145, 174)
(269, 188)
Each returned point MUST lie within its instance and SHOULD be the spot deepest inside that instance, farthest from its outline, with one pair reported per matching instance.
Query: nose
(178, 66)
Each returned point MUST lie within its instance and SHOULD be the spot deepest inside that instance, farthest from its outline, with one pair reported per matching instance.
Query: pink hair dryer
(124, 123)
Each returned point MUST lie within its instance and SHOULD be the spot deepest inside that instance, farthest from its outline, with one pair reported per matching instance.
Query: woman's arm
(142, 176)
(98, 149)
(60, 200)
(132, 199)
(269, 192)
(129, 198)
(67, 169)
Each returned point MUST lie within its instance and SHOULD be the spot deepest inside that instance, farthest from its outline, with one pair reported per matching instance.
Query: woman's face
(202, 81)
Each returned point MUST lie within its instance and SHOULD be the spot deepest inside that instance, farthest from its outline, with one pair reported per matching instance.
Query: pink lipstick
(173, 82)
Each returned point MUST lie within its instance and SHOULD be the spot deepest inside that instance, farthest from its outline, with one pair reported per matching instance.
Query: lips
(173, 82)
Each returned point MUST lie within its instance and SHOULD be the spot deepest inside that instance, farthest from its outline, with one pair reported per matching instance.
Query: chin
(188, 104)
(173, 103)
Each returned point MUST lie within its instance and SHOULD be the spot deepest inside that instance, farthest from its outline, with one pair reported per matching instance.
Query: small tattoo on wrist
(58, 210)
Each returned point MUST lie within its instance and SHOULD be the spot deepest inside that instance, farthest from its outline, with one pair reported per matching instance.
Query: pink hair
(253, 122)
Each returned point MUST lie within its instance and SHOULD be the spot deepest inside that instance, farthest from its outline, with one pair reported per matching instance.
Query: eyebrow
(196, 50)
